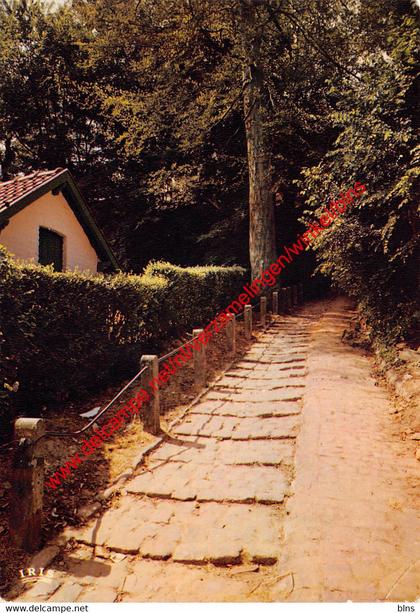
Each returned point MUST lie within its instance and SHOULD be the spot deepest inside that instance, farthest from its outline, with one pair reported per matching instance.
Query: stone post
(248, 321)
(263, 311)
(231, 333)
(301, 293)
(275, 303)
(28, 484)
(200, 366)
(289, 299)
(283, 300)
(151, 407)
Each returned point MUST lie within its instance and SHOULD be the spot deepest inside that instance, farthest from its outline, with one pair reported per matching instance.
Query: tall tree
(262, 248)
(190, 83)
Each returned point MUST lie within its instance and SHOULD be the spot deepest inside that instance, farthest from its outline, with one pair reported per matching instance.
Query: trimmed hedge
(65, 335)
(197, 293)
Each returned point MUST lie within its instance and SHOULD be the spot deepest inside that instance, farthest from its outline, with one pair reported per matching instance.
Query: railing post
(283, 300)
(231, 333)
(301, 293)
(200, 366)
(248, 321)
(263, 311)
(28, 484)
(275, 298)
(289, 299)
(151, 407)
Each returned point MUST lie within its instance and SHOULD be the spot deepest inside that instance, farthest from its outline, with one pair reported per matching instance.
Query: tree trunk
(262, 249)
(8, 159)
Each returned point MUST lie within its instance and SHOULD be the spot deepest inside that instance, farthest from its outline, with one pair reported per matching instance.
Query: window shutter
(50, 249)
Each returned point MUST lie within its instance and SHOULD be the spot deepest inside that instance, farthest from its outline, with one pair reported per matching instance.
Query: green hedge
(197, 293)
(65, 335)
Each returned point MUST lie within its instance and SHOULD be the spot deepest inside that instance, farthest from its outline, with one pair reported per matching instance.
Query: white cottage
(43, 218)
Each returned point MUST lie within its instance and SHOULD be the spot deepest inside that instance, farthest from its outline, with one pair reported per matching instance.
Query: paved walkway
(217, 515)
(353, 528)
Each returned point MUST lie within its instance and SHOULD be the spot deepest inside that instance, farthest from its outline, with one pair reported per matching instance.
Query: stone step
(235, 382)
(259, 396)
(282, 359)
(244, 409)
(211, 483)
(248, 428)
(280, 374)
(201, 450)
(188, 532)
(267, 369)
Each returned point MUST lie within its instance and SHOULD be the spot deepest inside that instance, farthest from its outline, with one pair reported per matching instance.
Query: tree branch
(6, 7)
(306, 36)
(244, 84)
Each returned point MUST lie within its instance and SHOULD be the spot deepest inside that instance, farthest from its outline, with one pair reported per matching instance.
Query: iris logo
(28, 575)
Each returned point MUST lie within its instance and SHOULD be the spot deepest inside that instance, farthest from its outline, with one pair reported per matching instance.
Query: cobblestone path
(230, 508)
(212, 495)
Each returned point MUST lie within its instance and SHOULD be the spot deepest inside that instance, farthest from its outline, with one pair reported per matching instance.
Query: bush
(69, 334)
(196, 294)
(8, 362)
(372, 251)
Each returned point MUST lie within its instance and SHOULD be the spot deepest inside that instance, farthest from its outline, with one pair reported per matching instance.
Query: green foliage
(68, 334)
(47, 111)
(196, 294)
(372, 252)
(143, 101)
(8, 362)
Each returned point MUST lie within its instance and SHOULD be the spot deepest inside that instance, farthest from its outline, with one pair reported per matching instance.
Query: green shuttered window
(50, 249)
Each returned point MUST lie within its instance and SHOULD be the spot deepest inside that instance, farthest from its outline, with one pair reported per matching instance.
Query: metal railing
(28, 461)
(109, 405)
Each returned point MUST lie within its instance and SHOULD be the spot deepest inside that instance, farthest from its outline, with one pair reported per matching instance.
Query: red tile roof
(15, 189)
